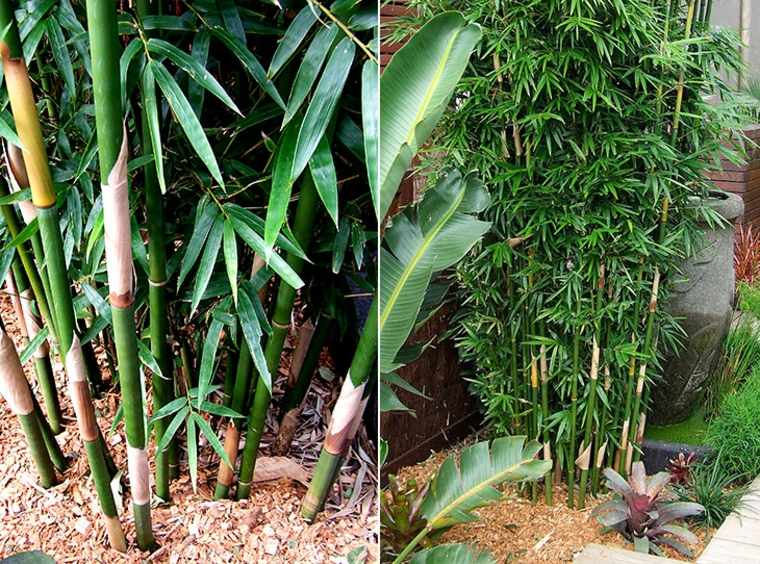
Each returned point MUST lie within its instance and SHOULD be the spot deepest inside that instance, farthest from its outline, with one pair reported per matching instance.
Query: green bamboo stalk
(113, 154)
(680, 85)
(163, 385)
(230, 366)
(548, 493)
(345, 419)
(44, 199)
(15, 389)
(602, 437)
(574, 410)
(586, 447)
(302, 229)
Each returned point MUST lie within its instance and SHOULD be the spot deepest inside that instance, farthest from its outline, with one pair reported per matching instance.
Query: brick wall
(744, 180)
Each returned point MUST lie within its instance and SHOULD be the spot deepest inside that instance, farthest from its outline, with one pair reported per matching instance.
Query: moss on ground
(692, 431)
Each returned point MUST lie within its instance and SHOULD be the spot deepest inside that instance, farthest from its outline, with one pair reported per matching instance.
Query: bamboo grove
(592, 125)
(234, 150)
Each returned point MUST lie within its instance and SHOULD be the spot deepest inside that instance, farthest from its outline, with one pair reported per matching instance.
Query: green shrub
(735, 432)
(713, 486)
(749, 298)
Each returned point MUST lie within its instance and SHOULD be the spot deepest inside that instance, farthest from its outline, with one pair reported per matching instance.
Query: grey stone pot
(704, 303)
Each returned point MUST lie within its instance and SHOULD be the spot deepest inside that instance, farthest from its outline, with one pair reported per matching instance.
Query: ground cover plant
(589, 126)
(234, 149)
(733, 433)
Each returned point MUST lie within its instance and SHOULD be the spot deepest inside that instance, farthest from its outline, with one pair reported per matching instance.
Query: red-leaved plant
(642, 515)
(680, 468)
(746, 254)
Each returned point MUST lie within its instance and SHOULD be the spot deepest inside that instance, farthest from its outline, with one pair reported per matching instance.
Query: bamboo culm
(113, 154)
(27, 123)
(302, 229)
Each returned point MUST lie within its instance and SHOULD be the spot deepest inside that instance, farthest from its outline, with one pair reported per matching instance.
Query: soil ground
(514, 530)
(64, 521)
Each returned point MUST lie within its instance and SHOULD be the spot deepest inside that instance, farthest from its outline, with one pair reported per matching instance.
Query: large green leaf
(187, 119)
(458, 489)
(454, 554)
(415, 89)
(423, 240)
(323, 103)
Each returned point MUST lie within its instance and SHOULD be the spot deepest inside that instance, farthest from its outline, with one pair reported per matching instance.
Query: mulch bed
(64, 521)
(516, 530)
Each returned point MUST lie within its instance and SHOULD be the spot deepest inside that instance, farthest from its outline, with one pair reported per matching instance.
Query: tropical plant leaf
(204, 219)
(418, 244)
(454, 553)
(340, 243)
(208, 260)
(415, 89)
(171, 429)
(231, 256)
(458, 489)
(169, 409)
(30, 557)
(192, 451)
(253, 332)
(208, 359)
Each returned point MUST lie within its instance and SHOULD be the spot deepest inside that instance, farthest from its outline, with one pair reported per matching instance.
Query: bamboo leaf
(169, 409)
(291, 41)
(208, 358)
(204, 219)
(250, 62)
(230, 256)
(371, 126)
(132, 49)
(307, 73)
(62, 58)
(34, 344)
(457, 489)
(253, 334)
(195, 70)
(208, 260)
(199, 52)
(415, 89)
(21, 195)
(323, 104)
(192, 452)
(325, 178)
(231, 18)
(147, 358)
(7, 132)
(187, 119)
(171, 429)
(282, 186)
(278, 264)
(25, 234)
(213, 440)
(288, 244)
(150, 104)
(216, 409)
(340, 244)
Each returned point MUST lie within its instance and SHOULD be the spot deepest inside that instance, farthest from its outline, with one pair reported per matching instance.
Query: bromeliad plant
(593, 147)
(231, 176)
(643, 515)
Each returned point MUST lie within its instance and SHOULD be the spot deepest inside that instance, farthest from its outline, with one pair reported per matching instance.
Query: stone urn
(703, 303)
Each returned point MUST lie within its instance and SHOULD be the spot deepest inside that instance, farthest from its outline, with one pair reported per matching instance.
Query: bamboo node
(13, 385)
(137, 465)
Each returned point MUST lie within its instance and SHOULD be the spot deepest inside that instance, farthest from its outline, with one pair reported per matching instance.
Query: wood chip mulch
(64, 521)
(516, 530)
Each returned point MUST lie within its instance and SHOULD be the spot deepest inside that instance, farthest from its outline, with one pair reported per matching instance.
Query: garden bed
(516, 530)
(64, 521)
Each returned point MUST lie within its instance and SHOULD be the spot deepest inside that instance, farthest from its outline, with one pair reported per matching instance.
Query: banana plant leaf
(414, 91)
(453, 554)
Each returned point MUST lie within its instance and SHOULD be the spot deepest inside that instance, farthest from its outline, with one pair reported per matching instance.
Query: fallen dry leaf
(270, 468)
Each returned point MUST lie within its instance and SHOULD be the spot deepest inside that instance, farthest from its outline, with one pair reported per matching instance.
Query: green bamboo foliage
(113, 155)
(15, 389)
(585, 176)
